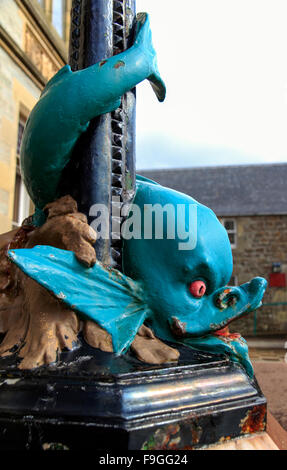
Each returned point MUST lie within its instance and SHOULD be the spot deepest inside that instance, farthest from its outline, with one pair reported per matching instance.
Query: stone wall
(28, 58)
(17, 92)
(261, 241)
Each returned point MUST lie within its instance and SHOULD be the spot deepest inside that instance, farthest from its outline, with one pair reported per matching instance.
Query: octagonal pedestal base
(94, 400)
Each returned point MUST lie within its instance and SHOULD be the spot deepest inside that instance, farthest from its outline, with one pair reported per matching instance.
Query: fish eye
(197, 289)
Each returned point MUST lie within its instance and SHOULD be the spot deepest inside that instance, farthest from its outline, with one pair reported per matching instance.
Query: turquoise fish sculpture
(177, 287)
(68, 103)
(181, 294)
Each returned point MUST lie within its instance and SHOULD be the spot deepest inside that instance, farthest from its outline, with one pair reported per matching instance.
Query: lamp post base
(94, 400)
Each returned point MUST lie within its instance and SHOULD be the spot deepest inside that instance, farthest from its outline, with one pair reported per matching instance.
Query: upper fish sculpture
(68, 103)
(175, 274)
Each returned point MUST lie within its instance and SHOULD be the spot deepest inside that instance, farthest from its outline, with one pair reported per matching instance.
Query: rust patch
(217, 326)
(224, 439)
(171, 441)
(177, 327)
(227, 291)
(166, 438)
(170, 438)
(196, 432)
(254, 421)
(103, 62)
(119, 64)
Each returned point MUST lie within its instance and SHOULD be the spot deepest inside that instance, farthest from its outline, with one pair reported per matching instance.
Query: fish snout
(254, 290)
(250, 293)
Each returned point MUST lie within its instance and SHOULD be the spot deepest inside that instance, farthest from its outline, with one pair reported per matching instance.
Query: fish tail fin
(102, 294)
(144, 40)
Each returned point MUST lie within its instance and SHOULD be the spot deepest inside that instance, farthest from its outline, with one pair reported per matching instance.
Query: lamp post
(102, 170)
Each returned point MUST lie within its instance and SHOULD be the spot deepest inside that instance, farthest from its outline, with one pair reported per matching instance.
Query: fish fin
(60, 74)
(158, 86)
(144, 38)
(102, 294)
(140, 179)
(234, 347)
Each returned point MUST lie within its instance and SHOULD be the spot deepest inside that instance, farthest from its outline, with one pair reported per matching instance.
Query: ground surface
(271, 372)
(272, 378)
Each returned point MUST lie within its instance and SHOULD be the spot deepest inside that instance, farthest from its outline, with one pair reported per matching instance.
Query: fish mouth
(178, 328)
(225, 333)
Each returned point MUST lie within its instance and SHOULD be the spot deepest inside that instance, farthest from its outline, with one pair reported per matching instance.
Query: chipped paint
(118, 64)
(170, 437)
(224, 439)
(196, 432)
(178, 327)
(54, 446)
(9, 382)
(225, 300)
(61, 295)
(165, 438)
(254, 421)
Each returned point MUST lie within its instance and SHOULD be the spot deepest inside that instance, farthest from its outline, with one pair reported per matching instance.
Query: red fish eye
(197, 289)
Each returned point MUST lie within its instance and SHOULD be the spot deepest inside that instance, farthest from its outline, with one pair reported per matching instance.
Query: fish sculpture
(175, 273)
(180, 291)
(68, 103)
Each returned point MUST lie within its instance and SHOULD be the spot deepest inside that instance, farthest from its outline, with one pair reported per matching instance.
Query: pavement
(269, 358)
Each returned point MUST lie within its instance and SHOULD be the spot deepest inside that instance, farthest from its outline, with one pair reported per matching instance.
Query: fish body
(155, 285)
(176, 273)
(68, 103)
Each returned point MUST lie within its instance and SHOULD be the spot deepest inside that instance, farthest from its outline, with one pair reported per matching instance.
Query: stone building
(251, 201)
(33, 47)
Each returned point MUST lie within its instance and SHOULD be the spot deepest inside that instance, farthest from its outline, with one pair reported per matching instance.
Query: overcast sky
(225, 67)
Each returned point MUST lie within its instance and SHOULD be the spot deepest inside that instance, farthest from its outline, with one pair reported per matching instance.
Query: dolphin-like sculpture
(175, 275)
(181, 294)
(68, 103)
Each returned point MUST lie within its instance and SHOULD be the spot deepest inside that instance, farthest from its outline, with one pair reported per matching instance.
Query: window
(230, 226)
(58, 15)
(21, 126)
(22, 202)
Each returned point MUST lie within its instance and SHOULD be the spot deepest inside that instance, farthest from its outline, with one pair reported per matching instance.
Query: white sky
(225, 67)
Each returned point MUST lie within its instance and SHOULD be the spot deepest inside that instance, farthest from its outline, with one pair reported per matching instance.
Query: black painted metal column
(102, 170)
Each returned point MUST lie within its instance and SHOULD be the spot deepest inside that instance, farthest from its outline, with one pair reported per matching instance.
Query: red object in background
(277, 280)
